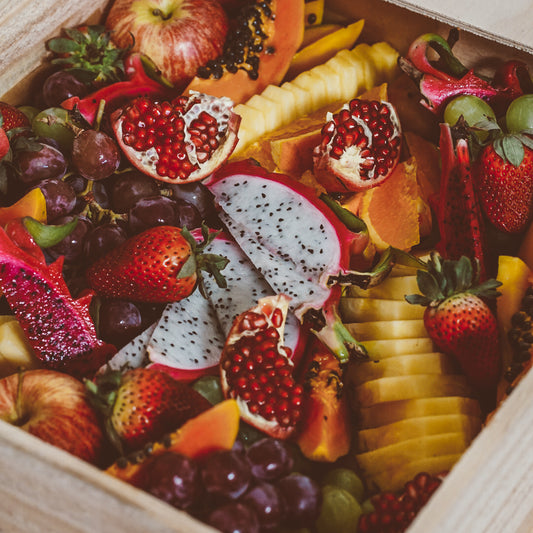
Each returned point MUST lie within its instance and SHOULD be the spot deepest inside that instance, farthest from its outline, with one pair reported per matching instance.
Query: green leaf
(62, 46)
(513, 149)
(418, 299)
(48, 235)
(188, 268)
(428, 285)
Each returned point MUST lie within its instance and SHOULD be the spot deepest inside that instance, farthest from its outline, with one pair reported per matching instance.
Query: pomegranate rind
(145, 161)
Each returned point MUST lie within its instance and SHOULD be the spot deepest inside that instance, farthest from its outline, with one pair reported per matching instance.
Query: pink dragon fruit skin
(59, 328)
(294, 240)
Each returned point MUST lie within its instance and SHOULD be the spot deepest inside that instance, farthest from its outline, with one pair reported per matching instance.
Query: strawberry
(459, 320)
(11, 117)
(162, 264)
(142, 405)
(504, 181)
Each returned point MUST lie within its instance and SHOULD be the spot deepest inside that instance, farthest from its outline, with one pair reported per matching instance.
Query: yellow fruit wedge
(302, 99)
(351, 79)
(395, 455)
(324, 48)
(314, 33)
(391, 389)
(392, 347)
(387, 329)
(412, 428)
(367, 309)
(384, 58)
(402, 365)
(272, 112)
(392, 288)
(313, 12)
(286, 100)
(252, 123)
(395, 479)
(15, 349)
(387, 413)
(32, 204)
(315, 86)
(333, 81)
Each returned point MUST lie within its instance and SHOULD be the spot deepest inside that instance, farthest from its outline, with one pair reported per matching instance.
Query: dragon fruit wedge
(59, 328)
(295, 240)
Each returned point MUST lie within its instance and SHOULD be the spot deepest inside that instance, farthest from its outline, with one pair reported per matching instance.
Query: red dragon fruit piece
(59, 328)
(459, 216)
(138, 83)
(438, 87)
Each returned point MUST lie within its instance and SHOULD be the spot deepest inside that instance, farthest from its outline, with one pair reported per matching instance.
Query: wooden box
(43, 489)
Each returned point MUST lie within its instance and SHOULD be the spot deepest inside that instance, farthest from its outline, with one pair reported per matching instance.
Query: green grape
(346, 479)
(55, 123)
(472, 109)
(367, 506)
(519, 116)
(30, 111)
(340, 511)
(209, 387)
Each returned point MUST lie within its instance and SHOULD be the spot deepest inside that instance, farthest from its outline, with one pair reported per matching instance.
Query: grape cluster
(249, 489)
(82, 175)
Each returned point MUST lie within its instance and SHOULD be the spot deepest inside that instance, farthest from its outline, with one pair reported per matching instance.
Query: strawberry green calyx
(445, 278)
(89, 53)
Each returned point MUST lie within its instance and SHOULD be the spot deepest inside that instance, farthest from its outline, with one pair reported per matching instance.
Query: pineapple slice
(303, 102)
(394, 479)
(393, 288)
(350, 78)
(271, 111)
(332, 79)
(315, 86)
(367, 309)
(387, 329)
(411, 428)
(392, 347)
(402, 365)
(387, 413)
(252, 123)
(394, 455)
(391, 389)
(286, 100)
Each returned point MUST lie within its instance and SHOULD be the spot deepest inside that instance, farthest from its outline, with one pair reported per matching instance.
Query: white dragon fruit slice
(245, 286)
(188, 336)
(131, 355)
(293, 239)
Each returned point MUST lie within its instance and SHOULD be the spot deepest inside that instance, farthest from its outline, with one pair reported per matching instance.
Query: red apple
(178, 35)
(53, 406)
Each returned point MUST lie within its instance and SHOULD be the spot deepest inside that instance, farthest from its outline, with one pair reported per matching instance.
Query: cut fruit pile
(413, 409)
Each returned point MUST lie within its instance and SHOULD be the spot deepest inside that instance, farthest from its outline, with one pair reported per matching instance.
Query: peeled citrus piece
(391, 210)
(325, 48)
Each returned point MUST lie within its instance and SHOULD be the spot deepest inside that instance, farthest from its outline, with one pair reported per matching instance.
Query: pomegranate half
(178, 141)
(360, 146)
(257, 371)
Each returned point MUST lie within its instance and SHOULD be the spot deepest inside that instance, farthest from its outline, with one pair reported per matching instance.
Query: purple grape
(234, 517)
(226, 474)
(119, 321)
(72, 245)
(303, 499)
(126, 189)
(152, 211)
(40, 163)
(267, 503)
(173, 478)
(103, 239)
(62, 85)
(95, 154)
(188, 216)
(269, 459)
(60, 198)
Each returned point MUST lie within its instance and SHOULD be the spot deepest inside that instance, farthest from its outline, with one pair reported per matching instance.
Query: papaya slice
(285, 31)
(213, 430)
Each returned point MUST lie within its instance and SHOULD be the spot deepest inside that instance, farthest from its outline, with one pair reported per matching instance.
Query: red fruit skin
(145, 268)
(465, 327)
(505, 191)
(52, 406)
(12, 117)
(150, 404)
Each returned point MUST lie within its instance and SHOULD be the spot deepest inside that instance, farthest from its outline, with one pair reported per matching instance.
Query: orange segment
(391, 210)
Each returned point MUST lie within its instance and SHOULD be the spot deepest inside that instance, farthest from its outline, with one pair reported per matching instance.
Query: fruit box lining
(490, 489)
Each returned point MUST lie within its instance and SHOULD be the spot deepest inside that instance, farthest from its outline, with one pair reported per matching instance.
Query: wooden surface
(510, 21)
(43, 489)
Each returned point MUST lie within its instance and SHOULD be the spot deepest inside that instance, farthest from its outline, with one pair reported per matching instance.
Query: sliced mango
(359, 309)
(392, 288)
(381, 349)
(387, 329)
(324, 48)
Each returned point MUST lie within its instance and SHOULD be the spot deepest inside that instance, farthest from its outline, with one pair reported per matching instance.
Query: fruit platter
(265, 266)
